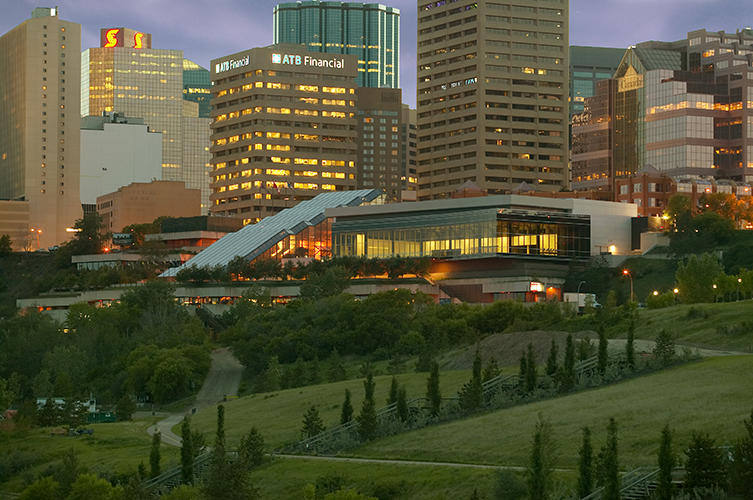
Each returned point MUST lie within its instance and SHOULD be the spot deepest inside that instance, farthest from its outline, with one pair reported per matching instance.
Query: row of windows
(279, 135)
(284, 74)
(282, 111)
(278, 172)
(284, 86)
(272, 185)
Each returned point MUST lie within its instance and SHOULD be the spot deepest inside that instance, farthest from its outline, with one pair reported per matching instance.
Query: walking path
(223, 378)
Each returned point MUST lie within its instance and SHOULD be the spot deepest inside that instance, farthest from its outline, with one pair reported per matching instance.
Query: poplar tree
(186, 453)
(346, 415)
(368, 424)
(666, 462)
(585, 465)
(154, 455)
(432, 390)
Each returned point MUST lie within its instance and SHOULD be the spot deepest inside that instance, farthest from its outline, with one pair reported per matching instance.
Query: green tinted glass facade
(196, 86)
(369, 31)
(588, 65)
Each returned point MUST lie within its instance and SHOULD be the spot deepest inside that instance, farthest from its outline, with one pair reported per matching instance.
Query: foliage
(509, 486)
(45, 488)
(88, 486)
(402, 404)
(346, 415)
(433, 393)
(666, 462)
(312, 423)
(471, 395)
(695, 278)
(368, 424)
(742, 466)
(90, 238)
(186, 452)
(531, 374)
(492, 370)
(125, 408)
(664, 348)
(603, 356)
(252, 448)
(68, 471)
(333, 281)
(155, 458)
(610, 464)
(704, 466)
(666, 299)
(585, 465)
(630, 343)
(6, 245)
(543, 458)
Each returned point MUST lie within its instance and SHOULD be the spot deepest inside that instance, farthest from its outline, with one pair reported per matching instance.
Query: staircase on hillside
(210, 319)
(170, 479)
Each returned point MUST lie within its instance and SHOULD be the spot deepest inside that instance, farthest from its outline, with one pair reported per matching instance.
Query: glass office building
(197, 86)
(126, 75)
(369, 31)
(588, 65)
(468, 233)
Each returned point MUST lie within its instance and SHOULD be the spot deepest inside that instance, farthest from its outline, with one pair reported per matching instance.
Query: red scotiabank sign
(124, 37)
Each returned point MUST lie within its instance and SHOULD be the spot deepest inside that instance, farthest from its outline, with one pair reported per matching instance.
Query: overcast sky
(206, 30)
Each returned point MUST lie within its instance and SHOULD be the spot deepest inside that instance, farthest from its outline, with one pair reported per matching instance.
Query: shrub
(661, 301)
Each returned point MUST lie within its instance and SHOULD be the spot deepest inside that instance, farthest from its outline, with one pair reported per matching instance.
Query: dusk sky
(205, 30)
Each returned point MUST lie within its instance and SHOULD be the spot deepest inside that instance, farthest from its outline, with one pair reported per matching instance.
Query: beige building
(142, 202)
(14, 221)
(39, 122)
(380, 148)
(283, 129)
(492, 95)
(126, 75)
(409, 175)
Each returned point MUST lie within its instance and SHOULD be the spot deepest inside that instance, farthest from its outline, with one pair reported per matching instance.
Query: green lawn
(113, 449)
(700, 326)
(279, 415)
(713, 395)
(286, 477)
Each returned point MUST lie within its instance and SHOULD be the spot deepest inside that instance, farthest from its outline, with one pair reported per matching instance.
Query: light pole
(37, 231)
(579, 284)
(626, 272)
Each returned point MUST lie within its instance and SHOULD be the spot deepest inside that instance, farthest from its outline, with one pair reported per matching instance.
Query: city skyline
(186, 26)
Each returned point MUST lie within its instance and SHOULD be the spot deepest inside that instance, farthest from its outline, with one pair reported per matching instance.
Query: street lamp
(579, 284)
(37, 231)
(627, 273)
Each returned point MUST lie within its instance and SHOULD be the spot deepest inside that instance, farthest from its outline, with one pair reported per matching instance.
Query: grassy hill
(712, 395)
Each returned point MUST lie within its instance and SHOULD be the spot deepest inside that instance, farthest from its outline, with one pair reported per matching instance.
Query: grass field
(279, 415)
(700, 327)
(115, 448)
(713, 395)
(285, 478)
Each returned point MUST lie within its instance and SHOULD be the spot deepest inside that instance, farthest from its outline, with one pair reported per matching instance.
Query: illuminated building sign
(231, 64)
(296, 60)
(537, 286)
(124, 37)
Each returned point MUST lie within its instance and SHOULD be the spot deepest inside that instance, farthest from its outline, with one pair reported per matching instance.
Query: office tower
(126, 75)
(197, 85)
(588, 65)
(116, 151)
(39, 122)
(283, 129)
(369, 31)
(408, 176)
(492, 96)
(679, 107)
(380, 147)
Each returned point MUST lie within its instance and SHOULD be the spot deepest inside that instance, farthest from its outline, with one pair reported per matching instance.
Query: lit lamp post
(37, 231)
(627, 273)
(579, 284)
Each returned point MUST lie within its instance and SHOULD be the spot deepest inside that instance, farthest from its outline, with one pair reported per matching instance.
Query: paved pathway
(223, 378)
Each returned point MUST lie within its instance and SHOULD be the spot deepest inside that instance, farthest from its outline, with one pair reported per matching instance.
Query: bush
(666, 299)
(509, 486)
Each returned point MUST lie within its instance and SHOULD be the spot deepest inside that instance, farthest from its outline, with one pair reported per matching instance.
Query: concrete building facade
(39, 122)
(492, 95)
(116, 151)
(369, 31)
(380, 149)
(126, 75)
(283, 129)
(141, 203)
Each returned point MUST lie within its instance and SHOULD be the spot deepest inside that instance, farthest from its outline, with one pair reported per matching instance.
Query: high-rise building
(408, 176)
(197, 85)
(39, 122)
(126, 75)
(370, 31)
(588, 65)
(283, 129)
(492, 95)
(677, 106)
(380, 147)
(116, 151)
